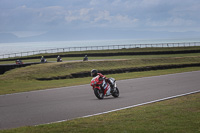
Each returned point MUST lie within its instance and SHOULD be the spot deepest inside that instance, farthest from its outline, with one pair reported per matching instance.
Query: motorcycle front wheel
(98, 93)
(116, 93)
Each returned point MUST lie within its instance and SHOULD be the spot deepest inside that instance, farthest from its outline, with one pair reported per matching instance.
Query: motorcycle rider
(19, 61)
(85, 58)
(94, 73)
(42, 59)
(58, 58)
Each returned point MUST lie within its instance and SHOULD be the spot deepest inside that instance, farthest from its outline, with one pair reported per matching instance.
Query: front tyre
(98, 93)
(116, 93)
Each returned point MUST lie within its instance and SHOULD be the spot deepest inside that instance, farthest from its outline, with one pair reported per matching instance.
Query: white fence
(108, 47)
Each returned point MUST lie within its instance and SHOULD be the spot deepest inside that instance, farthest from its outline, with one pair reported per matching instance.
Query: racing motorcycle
(85, 58)
(59, 60)
(43, 61)
(102, 88)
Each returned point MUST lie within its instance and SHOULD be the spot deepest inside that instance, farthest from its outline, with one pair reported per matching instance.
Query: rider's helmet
(94, 73)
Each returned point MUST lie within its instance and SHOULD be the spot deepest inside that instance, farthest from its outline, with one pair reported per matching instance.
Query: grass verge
(24, 79)
(65, 59)
(179, 115)
(15, 86)
(175, 115)
(171, 49)
(49, 70)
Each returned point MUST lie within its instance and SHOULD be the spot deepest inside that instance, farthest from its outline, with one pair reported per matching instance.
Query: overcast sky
(34, 17)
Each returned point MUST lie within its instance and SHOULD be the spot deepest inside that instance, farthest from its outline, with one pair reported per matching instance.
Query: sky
(99, 19)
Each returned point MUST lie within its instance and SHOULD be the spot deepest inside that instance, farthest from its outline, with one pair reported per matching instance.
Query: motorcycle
(102, 88)
(19, 62)
(43, 61)
(59, 60)
(85, 59)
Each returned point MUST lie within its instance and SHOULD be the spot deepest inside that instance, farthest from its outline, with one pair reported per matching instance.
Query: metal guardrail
(107, 47)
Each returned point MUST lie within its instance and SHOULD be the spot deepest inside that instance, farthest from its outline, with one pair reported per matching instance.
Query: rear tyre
(116, 93)
(98, 93)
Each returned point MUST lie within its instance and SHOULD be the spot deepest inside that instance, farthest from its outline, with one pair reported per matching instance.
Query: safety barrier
(107, 47)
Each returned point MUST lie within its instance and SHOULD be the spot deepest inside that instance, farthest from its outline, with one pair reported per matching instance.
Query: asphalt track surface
(46, 106)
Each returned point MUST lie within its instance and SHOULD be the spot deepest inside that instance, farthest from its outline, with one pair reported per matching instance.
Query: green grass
(66, 68)
(110, 57)
(24, 79)
(15, 86)
(105, 51)
(178, 115)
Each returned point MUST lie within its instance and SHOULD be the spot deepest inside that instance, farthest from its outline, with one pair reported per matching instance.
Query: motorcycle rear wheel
(98, 93)
(116, 93)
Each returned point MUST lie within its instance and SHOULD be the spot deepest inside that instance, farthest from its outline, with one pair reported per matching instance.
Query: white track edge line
(132, 106)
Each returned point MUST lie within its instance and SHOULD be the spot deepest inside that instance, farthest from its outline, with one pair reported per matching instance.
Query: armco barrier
(4, 68)
(104, 47)
(109, 54)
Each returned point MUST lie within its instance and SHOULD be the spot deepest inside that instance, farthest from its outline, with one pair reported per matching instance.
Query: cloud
(27, 33)
(49, 14)
(102, 16)
(45, 15)
(82, 15)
